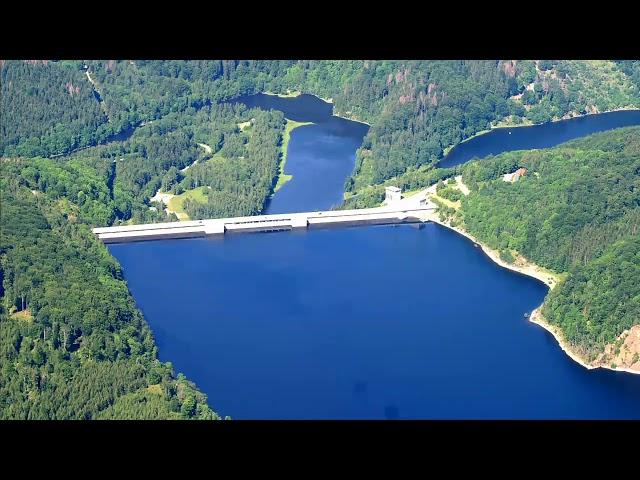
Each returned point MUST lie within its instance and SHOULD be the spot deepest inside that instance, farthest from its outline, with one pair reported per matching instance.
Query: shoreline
(339, 115)
(289, 94)
(447, 150)
(537, 319)
(536, 316)
(582, 115)
(297, 93)
(325, 100)
(352, 119)
(530, 270)
(283, 178)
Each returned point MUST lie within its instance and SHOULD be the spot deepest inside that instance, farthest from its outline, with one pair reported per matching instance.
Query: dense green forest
(243, 173)
(73, 344)
(88, 143)
(601, 299)
(240, 169)
(47, 108)
(576, 210)
(418, 109)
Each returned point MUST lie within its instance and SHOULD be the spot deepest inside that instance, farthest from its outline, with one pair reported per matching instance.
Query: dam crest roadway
(415, 209)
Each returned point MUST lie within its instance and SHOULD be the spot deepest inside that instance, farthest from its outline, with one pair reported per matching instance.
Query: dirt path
(95, 87)
(206, 147)
(463, 188)
(208, 151)
(163, 198)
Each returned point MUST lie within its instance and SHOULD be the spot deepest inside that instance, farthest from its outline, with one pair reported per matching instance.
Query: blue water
(366, 322)
(320, 156)
(361, 323)
(545, 135)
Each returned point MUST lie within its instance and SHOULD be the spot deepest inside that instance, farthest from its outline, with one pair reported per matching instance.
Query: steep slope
(73, 344)
(576, 211)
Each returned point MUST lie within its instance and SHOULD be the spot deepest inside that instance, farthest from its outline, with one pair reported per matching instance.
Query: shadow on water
(391, 412)
(360, 388)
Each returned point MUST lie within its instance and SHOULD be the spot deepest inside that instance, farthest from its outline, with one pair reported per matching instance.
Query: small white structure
(392, 194)
(514, 176)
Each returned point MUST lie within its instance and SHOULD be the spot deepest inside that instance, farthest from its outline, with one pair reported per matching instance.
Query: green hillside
(577, 210)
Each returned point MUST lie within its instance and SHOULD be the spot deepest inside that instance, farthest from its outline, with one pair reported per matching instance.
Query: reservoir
(359, 323)
(545, 135)
(320, 156)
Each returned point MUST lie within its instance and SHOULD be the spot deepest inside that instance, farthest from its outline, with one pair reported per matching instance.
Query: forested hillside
(73, 344)
(243, 170)
(431, 106)
(178, 153)
(47, 108)
(88, 143)
(418, 109)
(576, 210)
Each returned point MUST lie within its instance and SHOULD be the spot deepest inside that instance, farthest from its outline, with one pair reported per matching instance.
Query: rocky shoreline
(532, 270)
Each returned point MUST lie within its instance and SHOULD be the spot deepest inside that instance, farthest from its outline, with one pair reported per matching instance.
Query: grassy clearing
(410, 193)
(447, 202)
(24, 316)
(286, 137)
(244, 125)
(176, 203)
(156, 389)
(509, 122)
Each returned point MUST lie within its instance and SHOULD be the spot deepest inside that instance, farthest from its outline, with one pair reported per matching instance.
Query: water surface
(320, 156)
(545, 135)
(361, 323)
(367, 322)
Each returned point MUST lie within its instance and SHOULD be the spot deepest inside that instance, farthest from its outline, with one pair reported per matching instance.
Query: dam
(392, 214)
